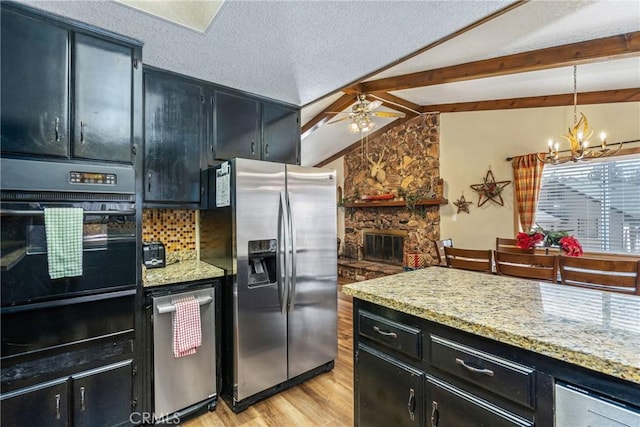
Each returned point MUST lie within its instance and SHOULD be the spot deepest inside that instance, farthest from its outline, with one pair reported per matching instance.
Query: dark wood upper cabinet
(66, 92)
(237, 126)
(174, 125)
(102, 99)
(252, 128)
(280, 133)
(35, 86)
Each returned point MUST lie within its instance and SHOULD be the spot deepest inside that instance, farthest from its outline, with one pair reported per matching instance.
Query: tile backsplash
(176, 228)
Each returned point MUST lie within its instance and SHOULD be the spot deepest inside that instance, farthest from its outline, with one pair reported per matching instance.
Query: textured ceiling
(306, 52)
(293, 51)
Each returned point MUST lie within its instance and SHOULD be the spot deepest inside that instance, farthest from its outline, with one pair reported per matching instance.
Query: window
(597, 201)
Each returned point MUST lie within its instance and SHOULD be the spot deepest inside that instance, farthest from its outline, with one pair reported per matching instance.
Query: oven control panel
(92, 178)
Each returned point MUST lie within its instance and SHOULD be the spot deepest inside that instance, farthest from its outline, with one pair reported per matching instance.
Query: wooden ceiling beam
(601, 97)
(338, 105)
(396, 103)
(558, 56)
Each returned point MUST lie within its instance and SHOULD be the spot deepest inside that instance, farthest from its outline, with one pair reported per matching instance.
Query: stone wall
(403, 162)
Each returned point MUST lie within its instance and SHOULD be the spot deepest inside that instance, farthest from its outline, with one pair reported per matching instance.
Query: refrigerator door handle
(294, 250)
(283, 279)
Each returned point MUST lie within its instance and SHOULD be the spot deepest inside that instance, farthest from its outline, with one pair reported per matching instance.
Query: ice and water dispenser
(262, 261)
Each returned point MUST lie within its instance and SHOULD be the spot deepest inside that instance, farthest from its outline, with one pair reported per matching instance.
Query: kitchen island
(467, 340)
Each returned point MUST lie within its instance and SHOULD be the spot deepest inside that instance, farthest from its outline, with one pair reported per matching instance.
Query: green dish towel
(64, 241)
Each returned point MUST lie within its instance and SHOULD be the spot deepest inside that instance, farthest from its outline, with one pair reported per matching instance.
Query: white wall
(472, 142)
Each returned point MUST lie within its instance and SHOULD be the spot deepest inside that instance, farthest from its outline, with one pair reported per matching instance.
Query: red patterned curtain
(527, 177)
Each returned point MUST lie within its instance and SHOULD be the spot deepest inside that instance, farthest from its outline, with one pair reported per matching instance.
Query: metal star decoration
(462, 204)
(490, 189)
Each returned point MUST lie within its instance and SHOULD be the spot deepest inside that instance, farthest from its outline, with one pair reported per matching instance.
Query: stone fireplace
(402, 166)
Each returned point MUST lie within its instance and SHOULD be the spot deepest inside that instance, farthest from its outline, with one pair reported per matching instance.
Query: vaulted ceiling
(427, 55)
(522, 57)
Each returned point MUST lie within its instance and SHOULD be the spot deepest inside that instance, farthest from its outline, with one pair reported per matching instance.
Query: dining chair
(469, 259)
(439, 247)
(504, 244)
(604, 274)
(528, 266)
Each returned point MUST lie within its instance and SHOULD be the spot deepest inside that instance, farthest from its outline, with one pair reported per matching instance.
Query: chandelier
(578, 137)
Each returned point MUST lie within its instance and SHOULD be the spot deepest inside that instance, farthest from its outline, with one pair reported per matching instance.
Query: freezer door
(313, 296)
(260, 322)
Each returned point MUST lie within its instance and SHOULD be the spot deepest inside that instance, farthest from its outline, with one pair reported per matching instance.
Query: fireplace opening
(383, 246)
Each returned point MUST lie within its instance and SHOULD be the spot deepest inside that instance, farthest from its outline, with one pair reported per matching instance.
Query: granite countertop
(596, 330)
(179, 272)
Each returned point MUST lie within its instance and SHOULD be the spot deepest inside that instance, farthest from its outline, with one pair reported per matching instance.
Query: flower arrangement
(561, 238)
(528, 240)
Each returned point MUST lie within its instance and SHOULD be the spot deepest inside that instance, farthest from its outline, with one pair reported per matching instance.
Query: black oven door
(109, 252)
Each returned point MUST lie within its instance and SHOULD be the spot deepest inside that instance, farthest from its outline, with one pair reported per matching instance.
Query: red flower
(528, 241)
(570, 246)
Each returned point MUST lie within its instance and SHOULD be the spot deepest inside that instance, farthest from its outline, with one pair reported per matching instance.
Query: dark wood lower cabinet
(98, 397)
(409, 371)
(102, 397)
(389, 392)
(451, 406)
(44, 404)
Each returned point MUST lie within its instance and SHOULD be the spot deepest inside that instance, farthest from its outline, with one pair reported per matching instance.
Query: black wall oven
(40, 313)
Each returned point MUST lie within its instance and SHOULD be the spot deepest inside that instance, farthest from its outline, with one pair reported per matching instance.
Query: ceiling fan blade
(374, 104)
(387, 114)
(336, 120)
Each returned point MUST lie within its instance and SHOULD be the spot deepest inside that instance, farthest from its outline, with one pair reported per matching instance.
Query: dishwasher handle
(170, 308)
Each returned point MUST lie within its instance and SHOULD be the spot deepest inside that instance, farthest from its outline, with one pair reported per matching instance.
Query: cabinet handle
(57, 129)
(149, 183)
(82, 407)
(57, 406)
(434, 414)
(385, 333)
(411, 404)
(266, 149)
(253, 147)
(487, 372)
(82, 125)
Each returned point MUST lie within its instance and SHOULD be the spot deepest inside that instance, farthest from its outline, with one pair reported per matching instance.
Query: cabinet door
(102, 397)
(173, 128)
(237, 127)
(103, 101)
(451, 406)
(209, 140)
(280, 133)
(40, 405)
(387, 392)
(35, 86)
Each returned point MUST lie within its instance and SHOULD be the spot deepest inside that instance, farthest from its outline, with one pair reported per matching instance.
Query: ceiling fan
(361, 114)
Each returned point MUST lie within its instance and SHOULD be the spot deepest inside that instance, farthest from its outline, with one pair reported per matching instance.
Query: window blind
(597, 201)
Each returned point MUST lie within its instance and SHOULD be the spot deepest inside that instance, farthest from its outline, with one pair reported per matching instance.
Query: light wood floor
(325, 400)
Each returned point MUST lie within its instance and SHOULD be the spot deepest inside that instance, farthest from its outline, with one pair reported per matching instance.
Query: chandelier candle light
(578, 137)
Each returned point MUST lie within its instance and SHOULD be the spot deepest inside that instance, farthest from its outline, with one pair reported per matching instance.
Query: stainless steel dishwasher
(185, 382)
(575, 407)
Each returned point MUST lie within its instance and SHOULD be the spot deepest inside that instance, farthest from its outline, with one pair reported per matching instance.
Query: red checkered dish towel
(187, 333)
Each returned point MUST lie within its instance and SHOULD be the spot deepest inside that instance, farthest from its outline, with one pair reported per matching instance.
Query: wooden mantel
(395, 203)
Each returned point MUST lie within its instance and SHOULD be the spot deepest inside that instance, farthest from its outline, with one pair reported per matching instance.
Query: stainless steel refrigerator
(273, 228)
